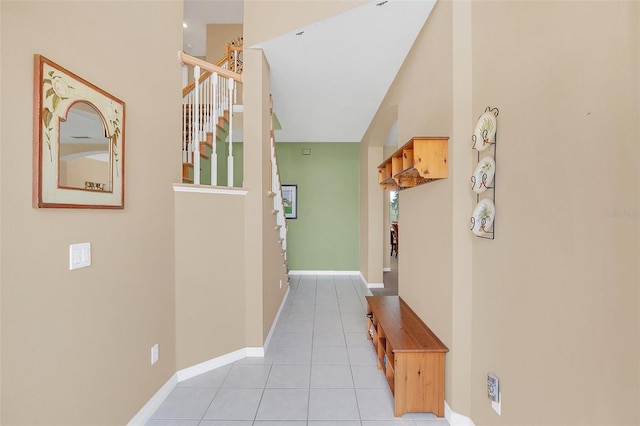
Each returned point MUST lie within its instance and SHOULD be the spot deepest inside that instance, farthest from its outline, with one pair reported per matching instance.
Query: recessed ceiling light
(184, 25)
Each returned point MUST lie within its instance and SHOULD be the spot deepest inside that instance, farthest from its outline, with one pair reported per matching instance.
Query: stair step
(203, 149)
(186, 172)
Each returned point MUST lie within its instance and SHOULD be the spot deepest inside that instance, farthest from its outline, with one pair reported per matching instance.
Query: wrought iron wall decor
(483, 180)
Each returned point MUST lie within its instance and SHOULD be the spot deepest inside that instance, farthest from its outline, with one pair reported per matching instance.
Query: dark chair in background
(394, 239)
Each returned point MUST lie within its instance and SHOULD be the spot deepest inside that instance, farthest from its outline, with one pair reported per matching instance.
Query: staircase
(209, 105)
(219, 133)
(207, 120)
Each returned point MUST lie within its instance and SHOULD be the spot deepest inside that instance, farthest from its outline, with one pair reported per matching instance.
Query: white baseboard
(256, 351)
(206, 366)
(456, 419)
(324, 272)
(370, 285)
(152, 405)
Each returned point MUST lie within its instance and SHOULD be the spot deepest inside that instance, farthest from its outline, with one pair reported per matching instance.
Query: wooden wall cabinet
(419, 161)
(409, 353)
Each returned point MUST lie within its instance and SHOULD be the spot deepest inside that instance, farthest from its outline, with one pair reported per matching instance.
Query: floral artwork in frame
(290, 201)
(78, 138)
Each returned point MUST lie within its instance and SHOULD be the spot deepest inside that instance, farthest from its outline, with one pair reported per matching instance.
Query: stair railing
(231, 61)
(206, 100)
(276, 190)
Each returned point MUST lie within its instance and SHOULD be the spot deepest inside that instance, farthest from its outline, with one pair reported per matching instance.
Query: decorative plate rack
(483, 180)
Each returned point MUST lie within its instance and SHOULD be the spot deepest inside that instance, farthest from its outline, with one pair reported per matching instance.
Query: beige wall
(254, 136)
(210, 292)
(373, 229)
(421, 100)
(264, 269)
(371, 215)
(218, 35)
(552, 302)
(76, 344)
(1, 192)
(461, 162)
(556, 294)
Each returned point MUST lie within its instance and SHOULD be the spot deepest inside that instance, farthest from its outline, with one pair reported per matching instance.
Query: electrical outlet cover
(497, 406)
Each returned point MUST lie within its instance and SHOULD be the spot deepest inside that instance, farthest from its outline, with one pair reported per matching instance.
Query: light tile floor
(318, 370)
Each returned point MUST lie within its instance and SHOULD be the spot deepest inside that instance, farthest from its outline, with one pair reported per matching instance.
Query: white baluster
(184, 130)
(205, 108)
(230, 158)
(195, 130)
(214, 128)
(190, 141)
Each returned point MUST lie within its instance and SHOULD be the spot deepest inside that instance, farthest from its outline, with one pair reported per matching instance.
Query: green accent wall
(326, 234)
(222, 149)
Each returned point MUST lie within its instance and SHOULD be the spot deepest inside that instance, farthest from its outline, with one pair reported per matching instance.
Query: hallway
(318, 370)
(390, 280)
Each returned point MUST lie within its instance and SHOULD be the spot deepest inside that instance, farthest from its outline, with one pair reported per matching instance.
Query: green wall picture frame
(290, 201)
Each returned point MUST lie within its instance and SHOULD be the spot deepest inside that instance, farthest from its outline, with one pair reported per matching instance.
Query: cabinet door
(430, 157)
(419, 383)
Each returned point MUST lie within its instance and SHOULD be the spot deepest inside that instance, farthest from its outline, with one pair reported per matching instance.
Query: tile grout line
(313, 330)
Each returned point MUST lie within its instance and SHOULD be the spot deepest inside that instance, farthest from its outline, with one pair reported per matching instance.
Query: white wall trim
(152, 405)
(254, 351)
(324, 272)
(370, 285)
(206, 366)
(205, 189)
(456, 419)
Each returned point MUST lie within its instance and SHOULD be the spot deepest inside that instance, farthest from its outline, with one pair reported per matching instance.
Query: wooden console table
(409, 353)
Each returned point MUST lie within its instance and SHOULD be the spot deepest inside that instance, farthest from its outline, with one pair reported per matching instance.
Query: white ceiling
(329, 78)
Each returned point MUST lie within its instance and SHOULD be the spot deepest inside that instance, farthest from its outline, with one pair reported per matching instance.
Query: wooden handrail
(225, 59)
(191, 60)
(189, 87)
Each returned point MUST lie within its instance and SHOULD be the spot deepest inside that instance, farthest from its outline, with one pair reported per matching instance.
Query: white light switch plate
(79, 255)
(154, 354)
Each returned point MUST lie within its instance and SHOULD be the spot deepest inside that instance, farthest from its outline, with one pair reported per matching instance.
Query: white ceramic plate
(483, 216)
(483, 175)
(485, 132)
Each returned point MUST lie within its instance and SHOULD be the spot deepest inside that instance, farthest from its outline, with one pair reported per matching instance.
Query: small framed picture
(290, 201)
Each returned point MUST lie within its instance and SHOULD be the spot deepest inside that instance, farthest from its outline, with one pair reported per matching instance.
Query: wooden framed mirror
(78, 144)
